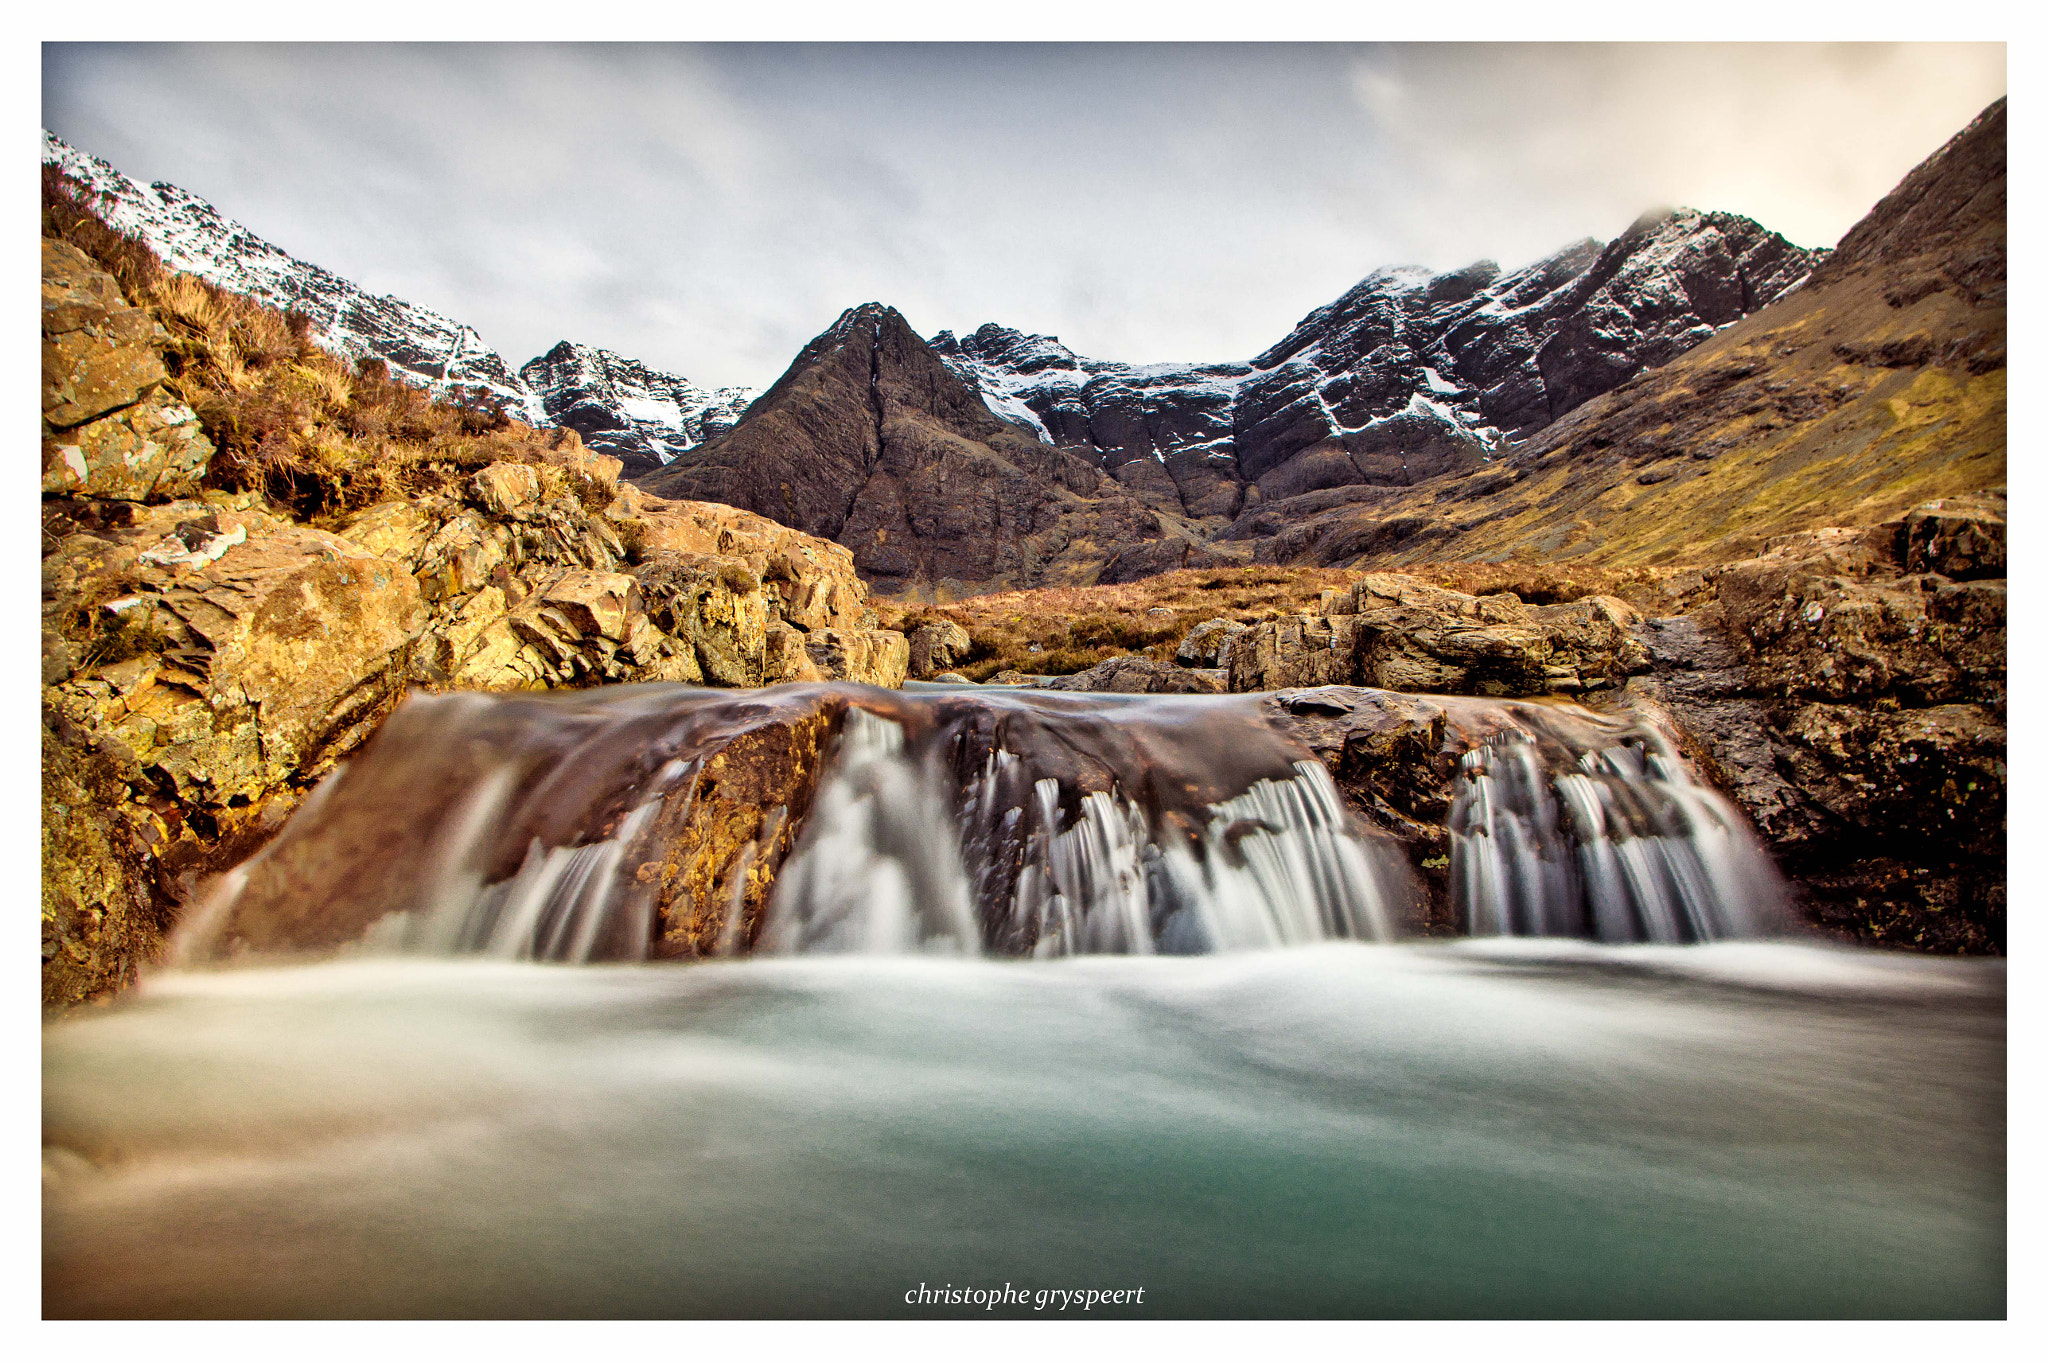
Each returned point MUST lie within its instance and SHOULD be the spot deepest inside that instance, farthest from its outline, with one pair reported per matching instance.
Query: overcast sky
(708, 209)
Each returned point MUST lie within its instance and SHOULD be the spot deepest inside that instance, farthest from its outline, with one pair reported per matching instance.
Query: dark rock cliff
(870, 440)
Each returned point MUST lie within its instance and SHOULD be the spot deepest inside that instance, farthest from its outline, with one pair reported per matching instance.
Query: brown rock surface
(107, 431)
(1399, 633)
(1137, 676)
(1856, 709)
(871, 441)
(99, 353)
(937, 647)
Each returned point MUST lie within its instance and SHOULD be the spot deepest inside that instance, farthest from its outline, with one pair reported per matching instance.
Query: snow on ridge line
(418, 344)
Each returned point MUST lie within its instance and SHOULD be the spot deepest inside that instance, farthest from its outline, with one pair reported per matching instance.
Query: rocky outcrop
(107, 431)
(1138, 676)
(210, 660)
(1208, 643)
(938, 646)
(418, 344)
(1854, 703)
(621, 407)
(206, 658)
(1398, 633)
(871, 441)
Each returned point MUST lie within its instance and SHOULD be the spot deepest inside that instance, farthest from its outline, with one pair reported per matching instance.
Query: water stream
(1055, 993)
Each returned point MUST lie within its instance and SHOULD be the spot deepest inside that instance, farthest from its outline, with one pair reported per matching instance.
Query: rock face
(1854, 703)
(1137, 676)
(1407, 376)
(640, 416)
(418, 344)
(107, 432)
(1140, 561)
(1397, 633)
(871, 441)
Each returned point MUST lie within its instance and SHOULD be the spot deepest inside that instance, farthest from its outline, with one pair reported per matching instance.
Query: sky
(707, 209)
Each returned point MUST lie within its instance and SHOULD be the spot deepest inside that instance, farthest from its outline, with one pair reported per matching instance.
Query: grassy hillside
(320, 437)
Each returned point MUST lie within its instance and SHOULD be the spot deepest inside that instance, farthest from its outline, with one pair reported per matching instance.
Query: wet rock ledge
(207, 657)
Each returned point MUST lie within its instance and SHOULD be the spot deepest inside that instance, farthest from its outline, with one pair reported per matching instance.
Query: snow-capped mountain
(620, 406)
(1405, 375)
(623, 408)
(420, 345)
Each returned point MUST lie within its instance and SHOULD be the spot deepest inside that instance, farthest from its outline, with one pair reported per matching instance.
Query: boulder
(504, 489)
(873, 657)
(1208, 643)
(99, 353)
(937, 646)
(1136, 676)
(154, 449)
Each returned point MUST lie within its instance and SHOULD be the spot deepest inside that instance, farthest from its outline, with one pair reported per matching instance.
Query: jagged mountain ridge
(621, 407)
(870, 439)
(1408, 375)
(419, 344)
(1878, 384)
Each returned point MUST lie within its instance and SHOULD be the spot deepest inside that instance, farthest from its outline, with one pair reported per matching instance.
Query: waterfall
(878, 871)
(885, 868)
(1619, 843)
(625, 823)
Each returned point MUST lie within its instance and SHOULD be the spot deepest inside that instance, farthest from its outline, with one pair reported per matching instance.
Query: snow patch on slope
(420, 345)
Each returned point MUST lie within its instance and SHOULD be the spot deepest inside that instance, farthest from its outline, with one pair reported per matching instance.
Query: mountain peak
(622, 407)
(418, 344)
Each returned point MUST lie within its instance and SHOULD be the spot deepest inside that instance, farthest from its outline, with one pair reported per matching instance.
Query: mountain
(637, 414)
(1407, 376)
(623, 408)
(871, 440)
(420, 345)
(1876, 385)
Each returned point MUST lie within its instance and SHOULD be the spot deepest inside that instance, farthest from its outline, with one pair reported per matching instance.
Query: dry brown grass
(1075, 627)
(315, 434)
(1552, 583)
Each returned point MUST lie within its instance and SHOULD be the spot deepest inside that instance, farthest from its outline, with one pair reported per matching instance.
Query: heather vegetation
(317, 435)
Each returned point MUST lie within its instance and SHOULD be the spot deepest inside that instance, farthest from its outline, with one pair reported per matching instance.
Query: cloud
(1511, 151)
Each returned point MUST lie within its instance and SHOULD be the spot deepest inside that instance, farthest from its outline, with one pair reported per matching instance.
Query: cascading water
(883, 868)
(950, 824)
(878, 871)
(1617, 843)
(428, 1122)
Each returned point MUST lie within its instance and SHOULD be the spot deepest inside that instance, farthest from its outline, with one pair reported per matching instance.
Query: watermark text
(1053, 1298)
